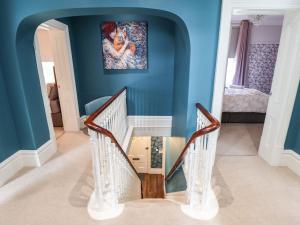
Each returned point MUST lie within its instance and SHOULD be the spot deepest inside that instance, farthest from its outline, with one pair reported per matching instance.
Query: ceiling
(265, 20)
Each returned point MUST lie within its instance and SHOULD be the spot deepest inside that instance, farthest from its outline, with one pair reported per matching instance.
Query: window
(231, 66)
(48, 72)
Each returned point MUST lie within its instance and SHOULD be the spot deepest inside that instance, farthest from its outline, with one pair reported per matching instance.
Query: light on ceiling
(256, 19)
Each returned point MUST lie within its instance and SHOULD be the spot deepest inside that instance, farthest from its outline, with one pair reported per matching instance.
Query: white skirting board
(291, 159)
(138, 126)
(25, 158)
(151, 125)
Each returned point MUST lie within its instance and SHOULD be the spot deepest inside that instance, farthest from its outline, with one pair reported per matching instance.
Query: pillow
(237, 86)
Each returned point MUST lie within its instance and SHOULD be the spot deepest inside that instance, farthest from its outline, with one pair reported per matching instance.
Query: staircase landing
(153, 186)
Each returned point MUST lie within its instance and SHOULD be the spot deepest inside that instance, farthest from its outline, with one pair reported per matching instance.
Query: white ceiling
(266, 20)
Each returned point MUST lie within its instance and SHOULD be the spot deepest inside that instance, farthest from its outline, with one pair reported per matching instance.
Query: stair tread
(153, 186)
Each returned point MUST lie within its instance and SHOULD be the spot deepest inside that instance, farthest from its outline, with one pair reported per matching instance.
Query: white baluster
(115, 180)
(201, 201)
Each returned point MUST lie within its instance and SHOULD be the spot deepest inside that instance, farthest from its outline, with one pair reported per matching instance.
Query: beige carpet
(249, 193)
(239, 139)
(59, 131)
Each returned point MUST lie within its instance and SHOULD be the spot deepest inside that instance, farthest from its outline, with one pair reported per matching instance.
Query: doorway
(253, 49)
(56, 73)
(147, 154)
(284, 87)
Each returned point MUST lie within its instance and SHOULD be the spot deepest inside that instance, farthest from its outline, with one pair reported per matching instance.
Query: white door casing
(65, 78)
(278, 116)
(284, 89)
(139, 153)
(44, 91)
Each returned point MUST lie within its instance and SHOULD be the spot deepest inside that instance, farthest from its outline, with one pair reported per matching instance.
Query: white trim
(151, 125)
(272, 156)
(9, 167)
(291, 159)
(25, 158)
(150, 121)
(61, 47)
(52, 25)
(45, 152)
(43, 88)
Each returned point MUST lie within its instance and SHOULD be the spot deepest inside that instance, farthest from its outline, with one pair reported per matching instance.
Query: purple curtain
(241, 54)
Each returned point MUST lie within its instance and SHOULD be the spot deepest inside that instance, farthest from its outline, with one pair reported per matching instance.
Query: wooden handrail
(215, 124)
(93, 126)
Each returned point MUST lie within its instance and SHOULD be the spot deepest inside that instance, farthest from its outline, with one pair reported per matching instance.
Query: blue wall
(181, 82)
(19, 20)
(8, 137)
(149, 91)
(293, 136)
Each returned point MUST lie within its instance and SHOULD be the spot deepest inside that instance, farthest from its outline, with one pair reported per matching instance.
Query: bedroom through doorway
(252, 56)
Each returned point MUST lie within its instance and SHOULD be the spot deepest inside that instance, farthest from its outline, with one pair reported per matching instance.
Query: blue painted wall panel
(19, 19)
(149, 91)
(8, 136)
(181, 83)
(292, 141)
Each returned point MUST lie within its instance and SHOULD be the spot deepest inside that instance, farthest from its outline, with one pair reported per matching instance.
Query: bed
(244, 105)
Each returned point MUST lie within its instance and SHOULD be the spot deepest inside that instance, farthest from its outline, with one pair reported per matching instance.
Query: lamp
(256, 19)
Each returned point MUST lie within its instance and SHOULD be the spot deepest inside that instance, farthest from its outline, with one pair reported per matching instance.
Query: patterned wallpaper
(261, 65)
(156, 148)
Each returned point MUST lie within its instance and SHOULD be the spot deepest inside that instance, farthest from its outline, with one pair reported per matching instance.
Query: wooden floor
(153, 186)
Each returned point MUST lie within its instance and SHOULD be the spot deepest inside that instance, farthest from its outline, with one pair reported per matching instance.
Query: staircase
(117, 181)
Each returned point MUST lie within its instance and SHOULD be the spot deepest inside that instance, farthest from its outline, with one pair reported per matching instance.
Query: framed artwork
(124, 45)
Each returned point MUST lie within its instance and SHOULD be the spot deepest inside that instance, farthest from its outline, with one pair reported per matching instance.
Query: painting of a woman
(124, 45)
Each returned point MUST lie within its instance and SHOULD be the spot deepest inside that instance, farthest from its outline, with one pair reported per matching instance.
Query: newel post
(103, 201)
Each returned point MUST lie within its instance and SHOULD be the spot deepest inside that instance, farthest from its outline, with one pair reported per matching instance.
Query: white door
(65, 79)
(284, 89)
(139, 153)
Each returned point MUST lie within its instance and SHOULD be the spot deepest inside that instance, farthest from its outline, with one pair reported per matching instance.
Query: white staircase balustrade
(114, 118)
(196, 159)
(116, 180)
(201, 202)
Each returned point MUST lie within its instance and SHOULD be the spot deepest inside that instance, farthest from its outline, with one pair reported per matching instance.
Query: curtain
(241, 54)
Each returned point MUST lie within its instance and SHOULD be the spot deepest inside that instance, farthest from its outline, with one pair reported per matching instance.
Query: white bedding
(245, 100)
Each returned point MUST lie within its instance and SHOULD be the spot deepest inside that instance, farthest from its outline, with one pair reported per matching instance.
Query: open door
(284, 89)
(65, 78)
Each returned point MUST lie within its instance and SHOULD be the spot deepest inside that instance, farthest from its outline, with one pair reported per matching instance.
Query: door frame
(54, 24)
(273, 154)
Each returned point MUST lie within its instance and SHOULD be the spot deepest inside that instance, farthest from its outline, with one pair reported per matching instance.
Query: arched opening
(175, 76)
